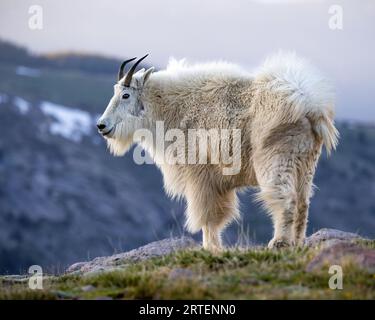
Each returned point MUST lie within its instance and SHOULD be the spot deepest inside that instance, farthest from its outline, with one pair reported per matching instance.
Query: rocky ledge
(151, 250)
(335, 247)
(177, 268)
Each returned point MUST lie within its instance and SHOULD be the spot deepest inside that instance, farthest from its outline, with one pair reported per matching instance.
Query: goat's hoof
(279, 244)
(214, 249)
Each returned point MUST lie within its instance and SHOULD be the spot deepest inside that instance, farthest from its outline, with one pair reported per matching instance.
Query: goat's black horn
(130, 73)
(121, 71)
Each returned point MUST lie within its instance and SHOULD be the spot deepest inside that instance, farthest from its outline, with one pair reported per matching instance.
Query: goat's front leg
(210, 211)
(211, 238)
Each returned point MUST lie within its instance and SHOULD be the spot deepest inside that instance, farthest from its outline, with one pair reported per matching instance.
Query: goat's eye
(125, 95)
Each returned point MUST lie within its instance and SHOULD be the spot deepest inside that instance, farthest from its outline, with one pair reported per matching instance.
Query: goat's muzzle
(103, 128)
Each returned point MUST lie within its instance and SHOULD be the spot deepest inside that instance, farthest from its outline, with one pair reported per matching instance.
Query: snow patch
(69, 123)
(28, 72)
(22, 105)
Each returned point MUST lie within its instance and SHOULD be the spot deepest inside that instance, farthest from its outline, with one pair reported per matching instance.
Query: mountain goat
(284, 111)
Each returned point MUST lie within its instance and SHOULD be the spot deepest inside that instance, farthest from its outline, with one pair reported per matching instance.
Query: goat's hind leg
(304, 191)
(278, 194)
(300, 221)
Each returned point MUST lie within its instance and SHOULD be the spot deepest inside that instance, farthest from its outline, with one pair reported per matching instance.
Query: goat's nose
(101, 126)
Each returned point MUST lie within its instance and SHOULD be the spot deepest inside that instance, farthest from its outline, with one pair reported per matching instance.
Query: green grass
(233, 274)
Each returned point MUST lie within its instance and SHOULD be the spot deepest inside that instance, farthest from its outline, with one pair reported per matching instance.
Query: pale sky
(240, 31)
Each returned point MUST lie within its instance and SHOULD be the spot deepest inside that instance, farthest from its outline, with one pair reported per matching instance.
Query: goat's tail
(325, 130)
(306, 94)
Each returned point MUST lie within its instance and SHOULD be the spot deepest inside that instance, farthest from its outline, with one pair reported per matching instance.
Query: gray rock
(23, 278)
(115, 262)
(88, 288)
(63, 295)
(342, 253)
(14, 278)
(75, 267)
(98, 269)
(330, 237)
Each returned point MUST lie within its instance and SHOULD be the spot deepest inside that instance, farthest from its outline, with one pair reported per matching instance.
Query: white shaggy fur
(284, 110)
(308, 91)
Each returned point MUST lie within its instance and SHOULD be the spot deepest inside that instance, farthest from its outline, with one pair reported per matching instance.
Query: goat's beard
(122, 138)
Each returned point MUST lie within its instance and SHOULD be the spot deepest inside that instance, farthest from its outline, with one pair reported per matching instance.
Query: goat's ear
(146, 75)
(140, 71)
